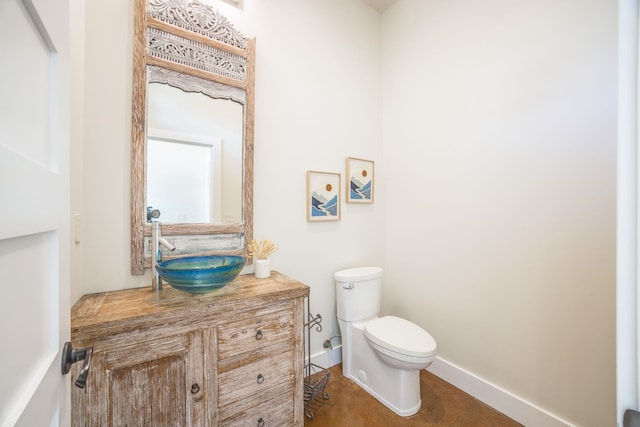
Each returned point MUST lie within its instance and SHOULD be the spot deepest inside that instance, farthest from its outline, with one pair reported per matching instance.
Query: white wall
(76, 29)
(317, 102)
(500, 154)
(627, 215)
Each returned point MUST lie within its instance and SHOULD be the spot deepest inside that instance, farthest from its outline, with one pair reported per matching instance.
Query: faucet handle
(152, 213)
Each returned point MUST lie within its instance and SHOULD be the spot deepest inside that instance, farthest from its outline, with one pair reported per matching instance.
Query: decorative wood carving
(191, 46)
(197, 17)
(195, 84)
(171, 47)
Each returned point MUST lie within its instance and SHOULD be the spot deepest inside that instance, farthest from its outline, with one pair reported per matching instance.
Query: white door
(34, 211)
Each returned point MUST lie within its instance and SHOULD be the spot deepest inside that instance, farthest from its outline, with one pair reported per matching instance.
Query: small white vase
(262, 268)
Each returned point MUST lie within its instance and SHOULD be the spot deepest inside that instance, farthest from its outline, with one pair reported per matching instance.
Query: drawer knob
(195, 388)
(260, 422)
(259, 334)
(260, 379)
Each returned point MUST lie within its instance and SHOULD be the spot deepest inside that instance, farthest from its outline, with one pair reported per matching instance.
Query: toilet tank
(358, 292)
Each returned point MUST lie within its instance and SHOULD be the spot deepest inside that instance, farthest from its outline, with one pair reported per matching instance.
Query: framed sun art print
(323, 196)
(359, 180)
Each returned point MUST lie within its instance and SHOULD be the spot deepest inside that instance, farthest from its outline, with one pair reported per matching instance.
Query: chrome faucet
(157, 241)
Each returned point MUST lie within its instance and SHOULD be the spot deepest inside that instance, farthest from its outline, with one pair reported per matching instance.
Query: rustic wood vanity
(234, 356)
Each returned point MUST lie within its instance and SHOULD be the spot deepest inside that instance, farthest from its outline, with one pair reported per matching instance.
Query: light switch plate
(77, 227)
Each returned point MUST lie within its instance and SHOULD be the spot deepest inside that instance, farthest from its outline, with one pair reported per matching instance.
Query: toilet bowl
(383, 355)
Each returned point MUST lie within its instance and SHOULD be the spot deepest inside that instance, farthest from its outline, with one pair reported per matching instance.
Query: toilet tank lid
(357, 274)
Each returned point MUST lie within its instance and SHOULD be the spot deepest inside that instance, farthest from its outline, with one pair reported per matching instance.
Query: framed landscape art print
(323, 196)
(359, 180)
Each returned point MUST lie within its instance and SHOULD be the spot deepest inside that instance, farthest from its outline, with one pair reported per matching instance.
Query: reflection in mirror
(194, 156)
(183, 179)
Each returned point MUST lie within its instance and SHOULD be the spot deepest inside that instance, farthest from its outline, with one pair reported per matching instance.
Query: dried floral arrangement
(261, 249)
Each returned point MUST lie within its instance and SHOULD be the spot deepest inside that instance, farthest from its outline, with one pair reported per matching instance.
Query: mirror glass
(194, 157)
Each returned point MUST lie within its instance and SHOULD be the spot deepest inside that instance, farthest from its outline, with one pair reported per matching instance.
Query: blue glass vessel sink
(198, 274)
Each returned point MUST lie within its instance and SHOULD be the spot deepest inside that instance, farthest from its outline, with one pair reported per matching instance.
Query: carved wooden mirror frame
(192, 45)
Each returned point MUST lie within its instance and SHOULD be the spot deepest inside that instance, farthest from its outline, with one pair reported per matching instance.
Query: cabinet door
(151, 383)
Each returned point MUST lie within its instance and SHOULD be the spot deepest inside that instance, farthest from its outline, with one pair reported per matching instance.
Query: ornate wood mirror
(193, 112)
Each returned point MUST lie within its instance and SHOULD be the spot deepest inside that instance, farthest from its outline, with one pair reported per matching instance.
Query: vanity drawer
(277, 412)
(258, 331)
(256, 382)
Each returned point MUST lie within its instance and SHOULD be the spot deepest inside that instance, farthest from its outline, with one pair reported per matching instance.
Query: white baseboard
(328, 358)
(514, 407)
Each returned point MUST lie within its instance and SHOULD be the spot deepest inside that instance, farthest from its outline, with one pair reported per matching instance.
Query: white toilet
(383, 355)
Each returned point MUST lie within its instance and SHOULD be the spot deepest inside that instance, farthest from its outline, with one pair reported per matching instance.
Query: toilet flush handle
(349, 286)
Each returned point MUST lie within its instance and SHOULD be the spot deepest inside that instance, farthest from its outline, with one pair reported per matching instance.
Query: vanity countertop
(130, 309)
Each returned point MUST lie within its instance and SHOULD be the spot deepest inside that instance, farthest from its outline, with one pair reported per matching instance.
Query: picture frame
(323, 196)
(359, 180)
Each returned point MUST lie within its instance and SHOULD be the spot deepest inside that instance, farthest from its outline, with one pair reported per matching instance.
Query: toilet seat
(400, 336)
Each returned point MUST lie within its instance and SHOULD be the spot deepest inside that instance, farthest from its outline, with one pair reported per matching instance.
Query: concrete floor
(442, 405)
